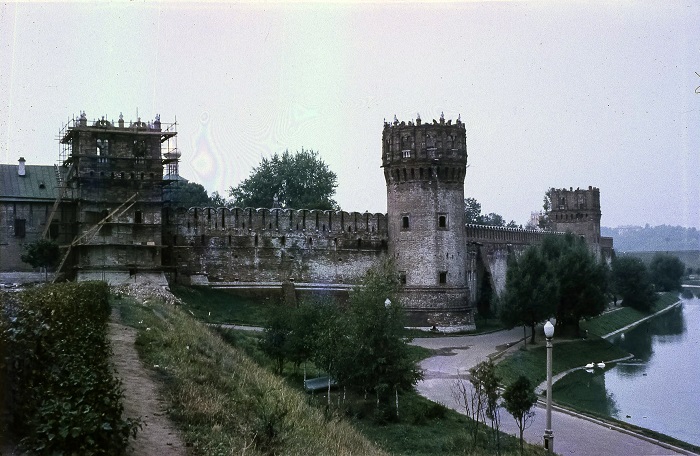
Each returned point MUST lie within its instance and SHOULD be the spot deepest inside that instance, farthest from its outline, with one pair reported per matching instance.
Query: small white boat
(589, 366)
(601, 365)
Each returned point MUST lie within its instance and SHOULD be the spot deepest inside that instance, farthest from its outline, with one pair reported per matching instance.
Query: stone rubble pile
(147, 291)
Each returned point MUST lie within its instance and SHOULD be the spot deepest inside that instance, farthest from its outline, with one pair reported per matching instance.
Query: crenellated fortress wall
(246, 247)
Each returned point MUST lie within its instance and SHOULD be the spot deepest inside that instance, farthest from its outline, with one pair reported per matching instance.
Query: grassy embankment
(576, 353)
(225, 400)
(623, 316)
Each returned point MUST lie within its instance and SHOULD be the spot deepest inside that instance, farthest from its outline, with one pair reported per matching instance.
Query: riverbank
(588, 391)
(664, 367)
(574, 433)
(573, 354)
(618, 317)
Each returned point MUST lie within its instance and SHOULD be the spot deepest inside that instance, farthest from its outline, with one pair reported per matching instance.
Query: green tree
(666, 272)
(217, 200)
(518, 399)
(275, 340)
(191, 194)
(332, 348)
(580, 278)
(380, 352)
(561, 276)
(301, 340)
(531, 293)
(43, 253)
(472, 214)
(630, 281)
(299, 181)
(544, 221)
(472, 210)
(485, 382)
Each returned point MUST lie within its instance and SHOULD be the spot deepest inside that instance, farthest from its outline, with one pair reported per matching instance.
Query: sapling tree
(43, 253)
(518, 399)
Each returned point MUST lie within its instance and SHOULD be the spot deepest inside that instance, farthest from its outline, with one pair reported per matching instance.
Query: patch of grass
(222, 306)
(427, 428)
(567, 354)
(222, 400)
(623, 316)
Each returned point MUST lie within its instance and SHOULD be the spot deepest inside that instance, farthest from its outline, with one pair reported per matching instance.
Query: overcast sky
(553, 94)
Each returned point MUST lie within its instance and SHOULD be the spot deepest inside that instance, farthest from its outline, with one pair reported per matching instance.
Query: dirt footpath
(158, 436)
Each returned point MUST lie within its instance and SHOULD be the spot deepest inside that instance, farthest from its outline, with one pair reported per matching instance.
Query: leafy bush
(65, 397)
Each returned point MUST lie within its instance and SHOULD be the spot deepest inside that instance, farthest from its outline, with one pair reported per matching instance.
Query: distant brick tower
(576, 211)
(116, 175)
(424, 167)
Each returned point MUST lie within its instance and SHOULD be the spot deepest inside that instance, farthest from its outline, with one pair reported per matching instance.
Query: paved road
(573, 435)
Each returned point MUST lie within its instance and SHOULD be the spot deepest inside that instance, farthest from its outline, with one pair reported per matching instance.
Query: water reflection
(665, 369)
(587, 390)
(666, 328)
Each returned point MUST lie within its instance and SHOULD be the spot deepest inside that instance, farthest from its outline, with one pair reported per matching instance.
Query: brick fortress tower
(424, 167)
(115, 176)
(577, 211)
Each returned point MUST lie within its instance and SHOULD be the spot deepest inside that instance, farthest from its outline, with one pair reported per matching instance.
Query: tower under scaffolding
(102, 165)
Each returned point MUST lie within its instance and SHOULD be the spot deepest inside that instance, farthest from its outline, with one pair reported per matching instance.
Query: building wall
(12, 243)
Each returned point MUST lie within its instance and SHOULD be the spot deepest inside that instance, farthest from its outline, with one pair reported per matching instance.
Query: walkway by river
(573, 435)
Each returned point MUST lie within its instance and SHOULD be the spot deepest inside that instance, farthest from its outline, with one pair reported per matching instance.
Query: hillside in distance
(662, 238)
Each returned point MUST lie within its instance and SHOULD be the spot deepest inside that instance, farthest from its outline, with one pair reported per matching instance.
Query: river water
(660, 388)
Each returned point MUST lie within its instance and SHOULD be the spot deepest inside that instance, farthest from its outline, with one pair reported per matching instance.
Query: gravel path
(573, 434)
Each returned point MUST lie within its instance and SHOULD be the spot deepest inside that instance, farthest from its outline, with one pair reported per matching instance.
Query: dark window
(405, 223)
(53, 230)
(402, 277)
(443, 277)
(20, 227)
(138, 217)
(442, 221)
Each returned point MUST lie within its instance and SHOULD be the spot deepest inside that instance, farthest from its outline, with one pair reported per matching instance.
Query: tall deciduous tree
(381, 357)
(630, 280)
(472, 214)
(531, 293)
(666, 272)
(472, 210)
(299, 181)
(581, 279)
(364, 347)
(561, 277)
(191, 194)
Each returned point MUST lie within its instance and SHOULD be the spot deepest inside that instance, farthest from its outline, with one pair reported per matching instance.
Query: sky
(553, 94)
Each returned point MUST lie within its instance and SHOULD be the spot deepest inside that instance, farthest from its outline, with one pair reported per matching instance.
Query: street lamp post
(548, 434)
